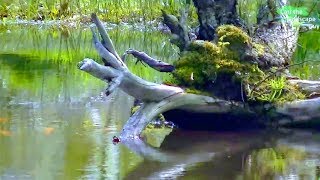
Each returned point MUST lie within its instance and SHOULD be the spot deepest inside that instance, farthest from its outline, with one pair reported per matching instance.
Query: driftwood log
(159, 98)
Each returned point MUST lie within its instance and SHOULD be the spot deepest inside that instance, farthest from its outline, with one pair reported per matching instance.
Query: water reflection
(241, 155)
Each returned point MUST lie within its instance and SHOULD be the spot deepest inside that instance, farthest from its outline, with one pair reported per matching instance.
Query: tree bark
(212, 14)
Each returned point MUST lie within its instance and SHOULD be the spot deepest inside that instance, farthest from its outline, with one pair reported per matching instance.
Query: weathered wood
(107, 42)
(179, 30)
(153, 63)
(130, 83)
(107, 57)
(278, 40)
(306, 85)
(140, 119)
(299, 112)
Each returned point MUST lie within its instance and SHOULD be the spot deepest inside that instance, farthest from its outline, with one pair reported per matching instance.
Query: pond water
(55, 122)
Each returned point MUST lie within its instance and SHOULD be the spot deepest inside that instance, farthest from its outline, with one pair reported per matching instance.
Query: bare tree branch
(107, 41)
(153, 63)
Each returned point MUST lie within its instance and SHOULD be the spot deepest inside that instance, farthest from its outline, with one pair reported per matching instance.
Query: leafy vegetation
(307, 51)
(109, 10)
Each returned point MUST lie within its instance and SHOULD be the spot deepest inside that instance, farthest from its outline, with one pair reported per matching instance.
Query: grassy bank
(109, 10)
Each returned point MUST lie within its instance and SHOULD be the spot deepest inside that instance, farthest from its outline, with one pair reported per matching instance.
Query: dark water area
(56, 123)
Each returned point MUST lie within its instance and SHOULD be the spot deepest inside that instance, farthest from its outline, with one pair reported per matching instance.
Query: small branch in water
(153, 63)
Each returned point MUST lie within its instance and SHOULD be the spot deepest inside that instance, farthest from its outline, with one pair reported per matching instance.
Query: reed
(110, 10)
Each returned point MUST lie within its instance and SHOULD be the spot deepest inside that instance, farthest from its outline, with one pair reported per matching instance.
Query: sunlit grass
(109, 10)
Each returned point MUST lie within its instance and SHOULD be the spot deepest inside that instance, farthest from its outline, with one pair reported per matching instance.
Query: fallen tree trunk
(157, 98)
(160, 98)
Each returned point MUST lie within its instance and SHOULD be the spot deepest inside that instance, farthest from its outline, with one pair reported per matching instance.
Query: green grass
(109, 10)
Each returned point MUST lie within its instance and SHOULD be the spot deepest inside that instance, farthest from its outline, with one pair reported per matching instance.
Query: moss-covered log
(235, 75)
(269, 44)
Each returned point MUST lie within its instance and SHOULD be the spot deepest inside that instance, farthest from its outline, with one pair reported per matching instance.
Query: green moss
(233, 38)
(134, 109)
(233, 35)
(195, 91)
(155, 136)
(259, 48)
(205, 61)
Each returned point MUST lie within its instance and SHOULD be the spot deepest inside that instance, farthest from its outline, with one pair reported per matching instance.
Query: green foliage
(135, 109)
(248, 10)
(276, 90)
(109, 10)
(307, 50)
(195, 91)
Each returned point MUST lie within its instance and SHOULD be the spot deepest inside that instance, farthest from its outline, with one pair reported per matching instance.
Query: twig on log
(153, 63)
(113, 84)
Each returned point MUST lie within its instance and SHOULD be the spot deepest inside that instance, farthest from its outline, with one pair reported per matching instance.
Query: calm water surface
(55, 122)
